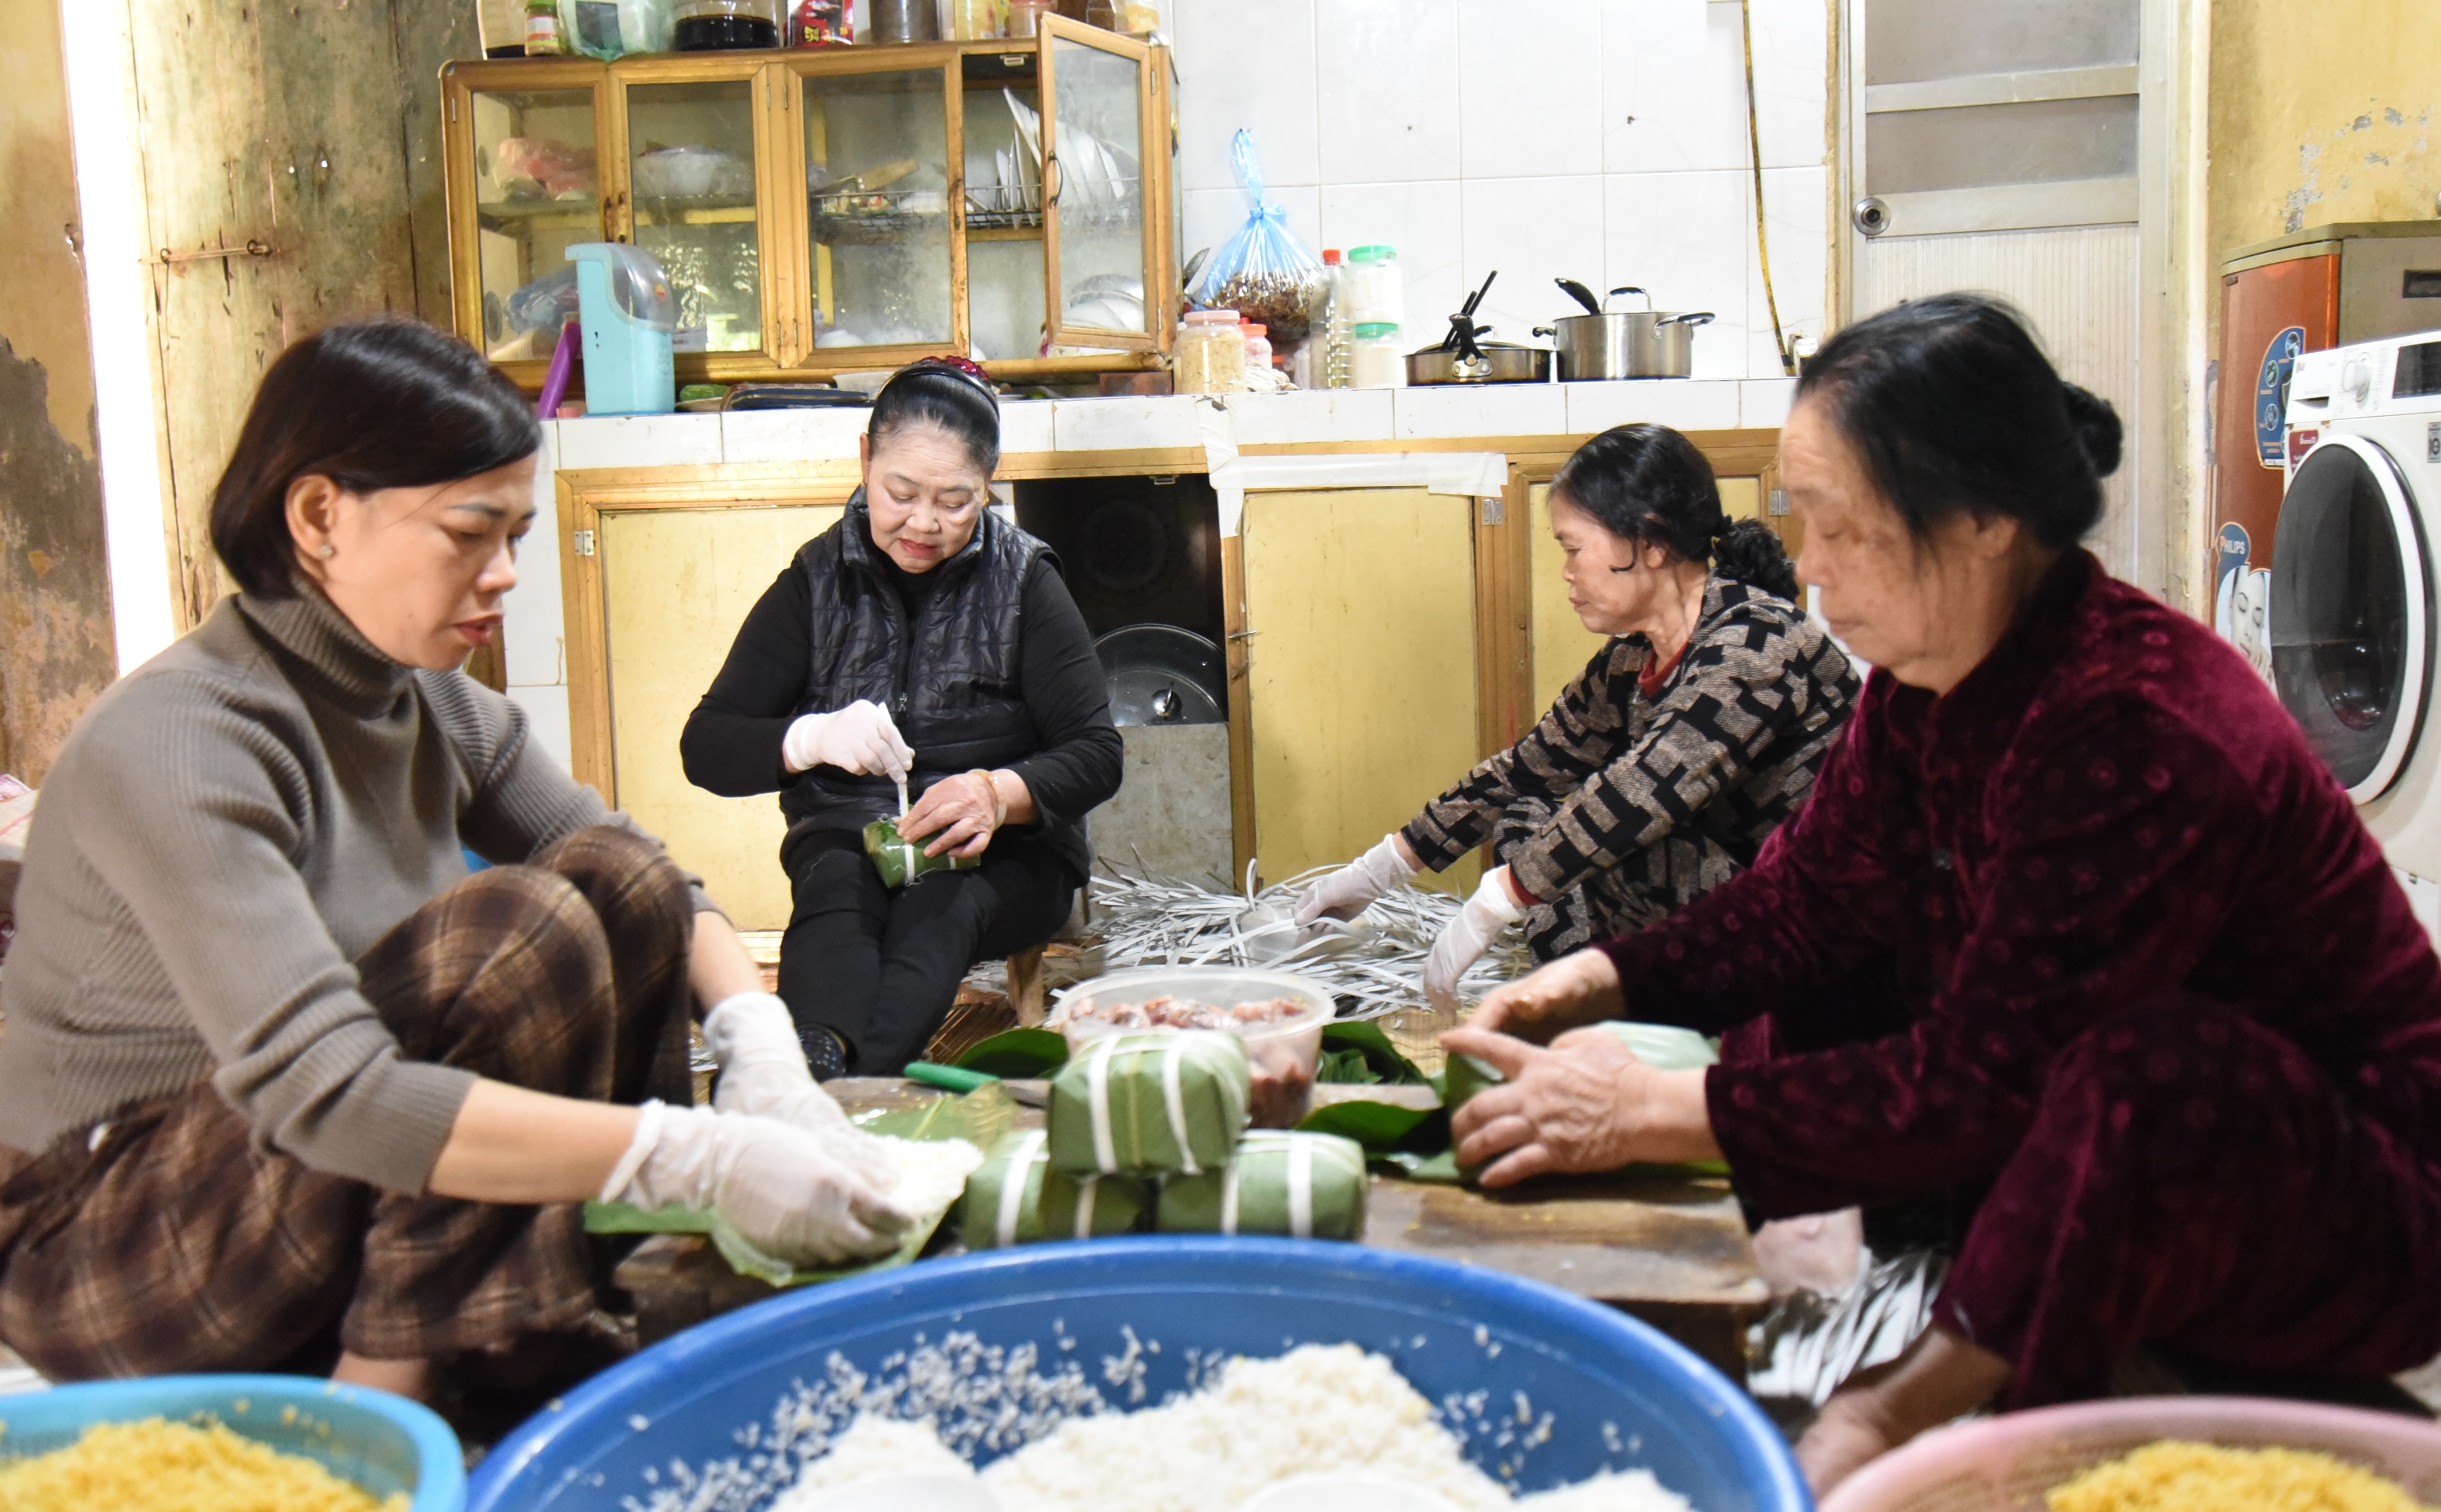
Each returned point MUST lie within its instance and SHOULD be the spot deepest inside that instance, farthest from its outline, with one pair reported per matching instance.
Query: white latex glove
(1492, 908)
(861, 738)
(763, 1075)
(1351, 890)
(773, 1180)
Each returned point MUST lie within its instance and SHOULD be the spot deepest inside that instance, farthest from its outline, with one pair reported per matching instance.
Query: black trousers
(880, 968)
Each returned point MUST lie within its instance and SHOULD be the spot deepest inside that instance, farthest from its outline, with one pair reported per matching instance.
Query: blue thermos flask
(624, 304)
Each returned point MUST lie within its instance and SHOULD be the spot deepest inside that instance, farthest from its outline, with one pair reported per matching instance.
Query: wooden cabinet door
(675, 584)
(1361, 667)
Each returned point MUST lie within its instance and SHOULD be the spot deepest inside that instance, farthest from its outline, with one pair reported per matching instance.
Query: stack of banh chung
(1148, 1130)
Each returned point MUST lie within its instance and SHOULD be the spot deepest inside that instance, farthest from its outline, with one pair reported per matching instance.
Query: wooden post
(1025, 989)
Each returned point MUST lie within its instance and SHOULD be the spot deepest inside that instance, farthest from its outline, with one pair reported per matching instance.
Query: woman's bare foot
(410, 1379)
(1940, 1377)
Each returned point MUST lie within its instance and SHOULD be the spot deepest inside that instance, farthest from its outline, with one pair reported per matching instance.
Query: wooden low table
(1666, 1248)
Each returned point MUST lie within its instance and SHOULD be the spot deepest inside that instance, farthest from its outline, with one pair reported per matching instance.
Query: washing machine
(2351, 615)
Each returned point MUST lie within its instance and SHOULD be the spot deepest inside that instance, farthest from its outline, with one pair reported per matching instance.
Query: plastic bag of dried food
(1016, 1197)
(901, 861)
(1149, 1105)
(1261, 272)
(1298, 1185)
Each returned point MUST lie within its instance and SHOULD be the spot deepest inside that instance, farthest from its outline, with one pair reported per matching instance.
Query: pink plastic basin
(2006, 1464)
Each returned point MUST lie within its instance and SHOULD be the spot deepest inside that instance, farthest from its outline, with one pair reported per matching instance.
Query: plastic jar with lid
(1259, 345)
(1375, 357)
(1210, 357)
(1375, 287)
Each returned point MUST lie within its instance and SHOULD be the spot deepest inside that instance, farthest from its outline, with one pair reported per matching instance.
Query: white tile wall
(531, 617)
(1387, 77)
(1685, 239)
(1602, 139)
(1796, 205)
(1309, 417)
(1533, 73)
(547, 719)
(639, 441)
(1698, 405)
(790, 435)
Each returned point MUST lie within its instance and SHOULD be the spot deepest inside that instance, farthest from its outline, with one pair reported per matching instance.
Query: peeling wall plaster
(2321, 114)
(56, 647)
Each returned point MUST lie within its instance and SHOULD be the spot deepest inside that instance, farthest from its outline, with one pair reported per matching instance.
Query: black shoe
(826, 1052)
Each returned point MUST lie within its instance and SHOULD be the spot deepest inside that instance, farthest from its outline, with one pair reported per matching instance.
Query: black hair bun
(2099, 434)
(1748, 552)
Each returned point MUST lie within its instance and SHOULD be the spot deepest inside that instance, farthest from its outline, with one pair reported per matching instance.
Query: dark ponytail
(1648, 484)
(950, 392)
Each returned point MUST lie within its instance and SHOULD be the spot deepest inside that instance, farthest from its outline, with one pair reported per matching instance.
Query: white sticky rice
(1318, 1407)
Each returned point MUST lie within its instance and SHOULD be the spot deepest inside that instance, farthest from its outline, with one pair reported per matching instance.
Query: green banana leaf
(980, 1118)
(1019, 1053)
(1349, 1044)
(901, 861)
(1378, 1127)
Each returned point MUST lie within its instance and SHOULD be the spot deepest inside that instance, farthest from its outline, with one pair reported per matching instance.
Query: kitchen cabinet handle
(1053, 181)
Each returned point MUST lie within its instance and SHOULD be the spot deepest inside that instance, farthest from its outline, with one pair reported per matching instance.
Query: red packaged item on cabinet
(819, 24)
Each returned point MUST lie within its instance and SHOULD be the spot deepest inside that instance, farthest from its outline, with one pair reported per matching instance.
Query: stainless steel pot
(1625, 344)
(1499, 363)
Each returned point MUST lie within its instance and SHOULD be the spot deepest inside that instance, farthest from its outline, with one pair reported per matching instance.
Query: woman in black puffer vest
(927, 638)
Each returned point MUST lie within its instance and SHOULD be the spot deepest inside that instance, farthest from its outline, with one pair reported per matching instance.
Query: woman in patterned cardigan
(1672, 756)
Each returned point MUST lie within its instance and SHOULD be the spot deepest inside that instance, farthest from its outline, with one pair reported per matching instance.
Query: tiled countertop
(1131, 424)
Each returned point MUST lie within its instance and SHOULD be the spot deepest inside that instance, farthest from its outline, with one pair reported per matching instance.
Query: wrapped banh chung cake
(1298, 1185)
(902, 861)
(1016, 1197)
(1149, 1104)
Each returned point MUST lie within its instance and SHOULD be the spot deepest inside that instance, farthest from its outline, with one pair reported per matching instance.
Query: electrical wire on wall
(1754, 151)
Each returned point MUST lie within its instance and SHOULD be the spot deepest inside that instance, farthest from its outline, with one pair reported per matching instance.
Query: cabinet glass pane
(1003, 128)
(877, 175)
(692, 178)
(535, 191)
(1100, 188)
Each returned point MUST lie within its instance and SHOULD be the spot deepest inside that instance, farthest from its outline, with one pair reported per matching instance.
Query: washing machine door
(2352, 612)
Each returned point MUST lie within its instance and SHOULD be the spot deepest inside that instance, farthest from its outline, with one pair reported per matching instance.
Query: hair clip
(966, 368)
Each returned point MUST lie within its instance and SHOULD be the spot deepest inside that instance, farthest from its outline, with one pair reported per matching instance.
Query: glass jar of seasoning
(1259, 345)
(725, 26)
(543, 36)
(1375, 357)
(1026, 17)
(1210, 357)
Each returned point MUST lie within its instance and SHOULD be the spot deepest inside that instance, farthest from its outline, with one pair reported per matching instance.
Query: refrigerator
(2325, 287)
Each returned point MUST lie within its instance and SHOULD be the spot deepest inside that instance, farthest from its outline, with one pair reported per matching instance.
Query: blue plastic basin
(385, 1444)
(1621, 1395)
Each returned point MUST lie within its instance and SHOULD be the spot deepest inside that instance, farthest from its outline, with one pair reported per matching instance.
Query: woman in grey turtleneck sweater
(284, 1085)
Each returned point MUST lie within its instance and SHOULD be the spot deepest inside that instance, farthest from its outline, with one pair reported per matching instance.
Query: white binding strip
(1174, 1094)
(1229, 1196)
(1097, 1101)
(1086, 1192)
(1300, 1188)
(1012, 1188)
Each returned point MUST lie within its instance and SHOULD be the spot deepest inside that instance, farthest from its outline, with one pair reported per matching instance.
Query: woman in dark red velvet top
(2076, 931)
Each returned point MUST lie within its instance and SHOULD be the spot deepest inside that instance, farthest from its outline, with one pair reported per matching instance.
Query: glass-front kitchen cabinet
(829, 211)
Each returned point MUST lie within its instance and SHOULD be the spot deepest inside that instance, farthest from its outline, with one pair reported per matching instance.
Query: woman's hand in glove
(1494, 906)
(763, 1075)
(773, 1181)
(861, 738)
(1352, 889)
